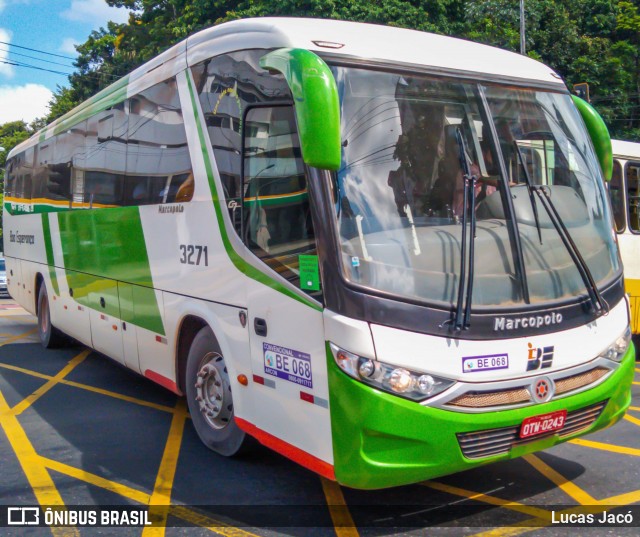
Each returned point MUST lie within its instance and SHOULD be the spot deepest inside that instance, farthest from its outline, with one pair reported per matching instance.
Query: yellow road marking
(37, 475)
(338, 509)
(144, 498)
(161, 495)
(211, 524)
(560, 481)
(637, 369)
(93, 479)
(636, 408)
(485, 498)
(18, 337)
(622, 499)
(81, 386)
(633, 420)
(636, 383)
(29, 400)
(606, 447)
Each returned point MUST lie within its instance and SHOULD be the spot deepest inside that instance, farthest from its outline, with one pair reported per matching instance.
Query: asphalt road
(79, 430)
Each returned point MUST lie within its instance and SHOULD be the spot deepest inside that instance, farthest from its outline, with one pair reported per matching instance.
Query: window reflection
(398, 195)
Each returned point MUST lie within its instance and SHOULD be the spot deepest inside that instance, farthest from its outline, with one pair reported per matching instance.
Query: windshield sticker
(490, 362)
(287, 364)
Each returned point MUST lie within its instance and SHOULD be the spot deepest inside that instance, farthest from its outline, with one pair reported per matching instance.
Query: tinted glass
(158, 168)
(616, 192)
(632, 172)
(398, 195)
(227, 85)
(277, 226)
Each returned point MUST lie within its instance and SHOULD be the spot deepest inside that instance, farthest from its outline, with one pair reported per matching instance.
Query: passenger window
(158, 166)
(616, 193)
(277, 223)
(633, 195)
(98, 180)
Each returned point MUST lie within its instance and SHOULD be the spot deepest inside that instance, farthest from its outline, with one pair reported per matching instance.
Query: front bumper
(381, 440)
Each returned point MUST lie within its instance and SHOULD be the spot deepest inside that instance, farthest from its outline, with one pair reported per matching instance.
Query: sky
(52, 26)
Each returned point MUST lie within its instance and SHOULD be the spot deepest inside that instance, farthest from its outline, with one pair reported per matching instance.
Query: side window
(633, 195)
(277, 222)
(616, 193)
(158, 165)
(98, 182)
(227, 86)
(19, 178)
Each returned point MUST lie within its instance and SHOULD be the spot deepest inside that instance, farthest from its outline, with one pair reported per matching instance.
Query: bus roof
(349, 40)
(369, 42)
(624, 149)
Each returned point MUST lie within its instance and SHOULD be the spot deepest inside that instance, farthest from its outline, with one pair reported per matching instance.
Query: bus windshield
(399, 193)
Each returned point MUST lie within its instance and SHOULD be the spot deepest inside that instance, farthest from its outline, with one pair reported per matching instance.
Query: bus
(384, 254)
(624, 190)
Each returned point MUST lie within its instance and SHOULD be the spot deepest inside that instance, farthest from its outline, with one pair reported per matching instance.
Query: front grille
(520, 394)
(499, 441)
(568, 384)
(494, 398)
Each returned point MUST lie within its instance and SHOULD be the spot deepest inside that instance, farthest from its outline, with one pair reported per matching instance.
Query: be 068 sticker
(490, 362)
(287, 364)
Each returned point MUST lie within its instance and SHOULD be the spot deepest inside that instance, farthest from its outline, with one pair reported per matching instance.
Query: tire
(50, 336)
(209, 398)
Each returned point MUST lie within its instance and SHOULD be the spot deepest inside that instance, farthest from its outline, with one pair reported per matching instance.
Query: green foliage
(594, 41)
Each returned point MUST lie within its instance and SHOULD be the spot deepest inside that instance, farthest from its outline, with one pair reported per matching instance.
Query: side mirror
(599, 135)
(317, 105)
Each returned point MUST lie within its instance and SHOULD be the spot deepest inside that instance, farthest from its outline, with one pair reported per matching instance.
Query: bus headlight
(619, 347)
(392, 379)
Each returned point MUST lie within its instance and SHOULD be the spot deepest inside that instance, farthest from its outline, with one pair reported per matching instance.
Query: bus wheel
(209, 396)
(50, 337)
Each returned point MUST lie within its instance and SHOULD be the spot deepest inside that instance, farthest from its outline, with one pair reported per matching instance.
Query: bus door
(285, 321)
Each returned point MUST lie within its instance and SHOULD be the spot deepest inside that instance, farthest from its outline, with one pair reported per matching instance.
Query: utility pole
(522, 43)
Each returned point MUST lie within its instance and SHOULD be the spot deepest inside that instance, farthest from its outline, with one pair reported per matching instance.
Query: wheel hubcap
(213, 391)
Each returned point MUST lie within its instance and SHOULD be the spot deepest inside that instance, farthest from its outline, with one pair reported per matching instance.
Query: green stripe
(33, 208)
(244, 267)
(48, 246)
(276, 201)
(102, 248)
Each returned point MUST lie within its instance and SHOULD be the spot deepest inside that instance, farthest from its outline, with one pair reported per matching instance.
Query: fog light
(366, 368)
(400, 380)
(426, 384)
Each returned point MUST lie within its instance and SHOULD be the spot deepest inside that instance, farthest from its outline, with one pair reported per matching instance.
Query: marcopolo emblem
(542, 389)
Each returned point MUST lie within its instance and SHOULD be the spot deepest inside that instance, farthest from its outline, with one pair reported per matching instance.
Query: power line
(34, 58)
(36, 50)
(34, 67)
(95, 75)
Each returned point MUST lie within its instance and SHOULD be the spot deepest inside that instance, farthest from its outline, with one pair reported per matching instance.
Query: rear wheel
(209, 398)
(50, 337)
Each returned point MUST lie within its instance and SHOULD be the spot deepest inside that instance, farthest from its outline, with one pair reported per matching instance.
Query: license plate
(543, 424)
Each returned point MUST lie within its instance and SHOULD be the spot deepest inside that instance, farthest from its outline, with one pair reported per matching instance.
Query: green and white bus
(387, 255)
(624, 190)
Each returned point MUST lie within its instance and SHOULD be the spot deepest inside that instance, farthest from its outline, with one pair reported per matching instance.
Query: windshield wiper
(527, 178)
(599, 304)
(465, 285)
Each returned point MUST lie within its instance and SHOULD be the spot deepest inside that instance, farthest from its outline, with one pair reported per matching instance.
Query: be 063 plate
(543, 424)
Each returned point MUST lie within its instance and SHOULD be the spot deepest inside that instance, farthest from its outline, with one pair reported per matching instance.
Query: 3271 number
(194, 254)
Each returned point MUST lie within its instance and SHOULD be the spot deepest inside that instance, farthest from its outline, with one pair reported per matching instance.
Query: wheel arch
(188, 328)
(39, 283)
